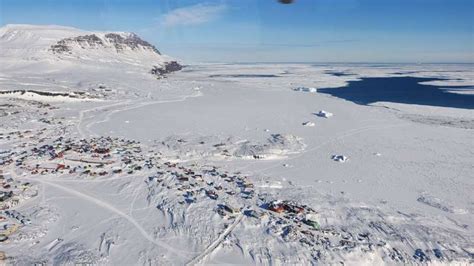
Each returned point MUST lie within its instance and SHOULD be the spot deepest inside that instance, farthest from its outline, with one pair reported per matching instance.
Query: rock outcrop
(118, 41)
(167, 68)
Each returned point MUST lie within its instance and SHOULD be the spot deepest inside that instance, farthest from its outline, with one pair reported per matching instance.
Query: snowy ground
(404, 194)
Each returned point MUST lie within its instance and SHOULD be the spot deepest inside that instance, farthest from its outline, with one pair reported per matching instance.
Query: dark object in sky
(286, 1)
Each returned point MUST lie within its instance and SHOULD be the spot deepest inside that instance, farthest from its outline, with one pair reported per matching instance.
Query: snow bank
(46, 96)
(309, 124)
(306, 89)
(277, 146)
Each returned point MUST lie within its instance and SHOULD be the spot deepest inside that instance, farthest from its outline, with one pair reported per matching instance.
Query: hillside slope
(54, 54)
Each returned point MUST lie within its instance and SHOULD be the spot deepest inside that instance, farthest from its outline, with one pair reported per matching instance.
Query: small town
(231, 195)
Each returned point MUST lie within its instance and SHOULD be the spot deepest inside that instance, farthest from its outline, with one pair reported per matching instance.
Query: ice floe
(324, 114)
(339, 158)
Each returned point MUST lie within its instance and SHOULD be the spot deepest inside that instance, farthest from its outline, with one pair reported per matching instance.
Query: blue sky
(266, 31)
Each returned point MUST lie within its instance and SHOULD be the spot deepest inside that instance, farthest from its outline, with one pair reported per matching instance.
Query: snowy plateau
(112, 153)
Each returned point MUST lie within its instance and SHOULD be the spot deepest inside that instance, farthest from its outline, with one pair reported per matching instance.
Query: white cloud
(192, 15)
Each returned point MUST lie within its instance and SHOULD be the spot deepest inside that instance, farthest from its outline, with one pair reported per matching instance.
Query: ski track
(82, 114)
(216, 242)
(111, 208)
(136, 193)
(128, 105)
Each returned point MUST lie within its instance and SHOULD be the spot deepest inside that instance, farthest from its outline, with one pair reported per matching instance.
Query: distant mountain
(119, 42)
(58, 47)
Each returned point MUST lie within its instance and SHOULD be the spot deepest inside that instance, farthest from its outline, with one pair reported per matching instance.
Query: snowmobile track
(216, 242)
(111, 208)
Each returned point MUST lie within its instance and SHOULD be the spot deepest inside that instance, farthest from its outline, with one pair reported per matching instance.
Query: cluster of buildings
(25, 137)
(96, 157)
(12, 193)
(231, 194)
(235, 194)
(201, 183)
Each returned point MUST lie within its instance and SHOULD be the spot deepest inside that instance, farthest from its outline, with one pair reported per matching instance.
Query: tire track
(111, 208)
(216, 242)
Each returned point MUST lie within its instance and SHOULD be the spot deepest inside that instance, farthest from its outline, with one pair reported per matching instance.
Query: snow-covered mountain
(57, 47)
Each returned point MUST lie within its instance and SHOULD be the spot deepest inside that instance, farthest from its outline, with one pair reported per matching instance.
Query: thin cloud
(193, 15)
(256, 45)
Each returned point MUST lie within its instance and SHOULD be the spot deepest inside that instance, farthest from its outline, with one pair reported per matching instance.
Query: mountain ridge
(24, 43)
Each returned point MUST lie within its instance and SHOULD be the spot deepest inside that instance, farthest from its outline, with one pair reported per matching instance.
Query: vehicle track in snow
(82, 113)
(111, 208)
(128, 105)
(216, 242)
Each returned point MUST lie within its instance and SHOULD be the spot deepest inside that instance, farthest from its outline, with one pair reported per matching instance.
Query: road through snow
(111, 208)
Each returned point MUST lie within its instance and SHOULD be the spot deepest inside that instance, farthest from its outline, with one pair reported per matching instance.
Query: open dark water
(338, 73)
(244, 76)
(407, 90)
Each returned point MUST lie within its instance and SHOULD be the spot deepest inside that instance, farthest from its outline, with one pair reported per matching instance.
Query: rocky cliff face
(167, 68)
(132, 42)
(118, 41)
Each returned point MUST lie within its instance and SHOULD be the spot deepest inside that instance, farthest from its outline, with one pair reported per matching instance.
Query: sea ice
(324, 114)
(339, 158)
